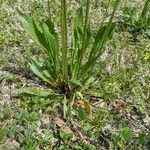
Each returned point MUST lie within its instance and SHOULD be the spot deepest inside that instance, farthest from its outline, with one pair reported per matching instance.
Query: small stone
(146, 120)
(45, 119)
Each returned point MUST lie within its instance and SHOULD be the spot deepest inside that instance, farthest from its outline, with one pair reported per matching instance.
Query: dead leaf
(61, 124)
(118, 105)
(86, 106)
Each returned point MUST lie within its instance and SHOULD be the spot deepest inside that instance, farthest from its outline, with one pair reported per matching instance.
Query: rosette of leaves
(137, 23)
(68, 69)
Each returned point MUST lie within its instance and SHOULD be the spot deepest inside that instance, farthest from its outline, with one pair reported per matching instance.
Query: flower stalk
(64, 38)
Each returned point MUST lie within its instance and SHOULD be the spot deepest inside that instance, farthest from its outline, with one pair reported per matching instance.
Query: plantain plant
(68, 70)
(137, 23)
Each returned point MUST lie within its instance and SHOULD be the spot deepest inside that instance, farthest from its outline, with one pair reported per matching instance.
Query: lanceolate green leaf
(87, 66)
(144, 18)
(45, 35)
(42, 33)
(78, 20)
(86, 23)
(34, 30)
(52, 51)
(81, 40)
(145, 9)
(37, 69)
(99, 39)
(28, 25)
(35, 91)
(106, 33)
(77, 40)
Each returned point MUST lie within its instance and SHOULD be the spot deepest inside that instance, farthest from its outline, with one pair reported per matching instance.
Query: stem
(64, 37)
(86, 22)
(49, 9)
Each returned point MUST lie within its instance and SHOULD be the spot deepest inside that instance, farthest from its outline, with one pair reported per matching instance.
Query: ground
(117, 113)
